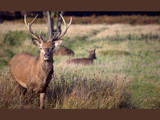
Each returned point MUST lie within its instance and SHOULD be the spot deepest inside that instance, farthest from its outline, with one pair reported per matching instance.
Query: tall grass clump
(88, 88)
(70, 90)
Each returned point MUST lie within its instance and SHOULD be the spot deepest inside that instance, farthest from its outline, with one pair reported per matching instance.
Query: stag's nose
(46, 55)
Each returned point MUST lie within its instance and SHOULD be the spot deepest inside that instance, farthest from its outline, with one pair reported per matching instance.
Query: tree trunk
(50, 25)
(54, 27)
(59, 22)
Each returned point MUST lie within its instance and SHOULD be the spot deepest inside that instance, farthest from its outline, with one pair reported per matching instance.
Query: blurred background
(88, 17)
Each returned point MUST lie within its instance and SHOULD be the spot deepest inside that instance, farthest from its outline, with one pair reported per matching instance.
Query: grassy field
(126, 73)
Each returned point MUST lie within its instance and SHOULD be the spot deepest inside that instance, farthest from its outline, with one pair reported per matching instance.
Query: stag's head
(92, 53)
(47, 46)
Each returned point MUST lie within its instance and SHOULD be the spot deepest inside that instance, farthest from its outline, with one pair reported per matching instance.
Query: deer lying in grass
(35, 72)
(63, 51)
(83, 61)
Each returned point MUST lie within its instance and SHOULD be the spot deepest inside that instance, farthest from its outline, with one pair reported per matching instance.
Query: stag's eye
(41, 48)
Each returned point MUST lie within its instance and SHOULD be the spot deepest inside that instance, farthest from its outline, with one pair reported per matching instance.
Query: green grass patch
(114, 52)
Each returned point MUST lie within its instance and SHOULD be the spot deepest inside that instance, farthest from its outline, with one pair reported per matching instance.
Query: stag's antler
(30, 29)
(57, 36)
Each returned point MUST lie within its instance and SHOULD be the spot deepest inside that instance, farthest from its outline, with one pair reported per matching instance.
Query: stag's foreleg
(30, 95)
(43, 92)
(42, 97)
(21, 91)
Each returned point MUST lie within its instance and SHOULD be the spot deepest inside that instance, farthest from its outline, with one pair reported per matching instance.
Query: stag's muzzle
(46, 56)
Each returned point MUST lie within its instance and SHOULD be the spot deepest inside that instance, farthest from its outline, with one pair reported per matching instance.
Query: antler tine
(34, 19)
(30, 29)
(65, 30)
(55, 36)
(41, 36)
(66, 27)
(25, 20)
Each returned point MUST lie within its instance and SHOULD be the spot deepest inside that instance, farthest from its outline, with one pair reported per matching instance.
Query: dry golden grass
(123, 29)
(85, 29)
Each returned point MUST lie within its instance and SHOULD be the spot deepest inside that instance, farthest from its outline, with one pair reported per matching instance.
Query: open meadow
(126, 73)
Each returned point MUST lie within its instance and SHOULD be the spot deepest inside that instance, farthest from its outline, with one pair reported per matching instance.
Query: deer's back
(82, 61)
(63, 51)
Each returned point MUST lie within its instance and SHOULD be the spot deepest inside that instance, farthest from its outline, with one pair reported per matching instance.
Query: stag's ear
(58, 42)
(94, 49)
(36, 42)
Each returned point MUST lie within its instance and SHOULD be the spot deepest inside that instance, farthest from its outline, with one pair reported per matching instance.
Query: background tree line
(12, 15)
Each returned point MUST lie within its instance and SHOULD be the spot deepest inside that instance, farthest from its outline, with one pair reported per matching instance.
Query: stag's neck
(44, 71)
(90, 57)
(45, 65)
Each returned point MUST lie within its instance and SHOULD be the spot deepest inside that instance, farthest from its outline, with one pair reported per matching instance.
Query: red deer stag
(63, 51)
(83, 61)
(34, 73)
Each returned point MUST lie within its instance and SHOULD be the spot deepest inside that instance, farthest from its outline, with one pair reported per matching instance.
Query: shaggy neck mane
(46, 65)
